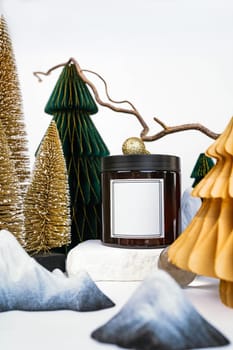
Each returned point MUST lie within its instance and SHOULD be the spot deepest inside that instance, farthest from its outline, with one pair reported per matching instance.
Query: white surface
(104, 263)
(71, 330)
(171, 58)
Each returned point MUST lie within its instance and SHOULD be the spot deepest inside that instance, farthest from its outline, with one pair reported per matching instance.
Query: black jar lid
(141, 162)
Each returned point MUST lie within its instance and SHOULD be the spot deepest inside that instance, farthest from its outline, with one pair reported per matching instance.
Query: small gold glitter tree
(11, 114)
(11, 206)
(47, 204)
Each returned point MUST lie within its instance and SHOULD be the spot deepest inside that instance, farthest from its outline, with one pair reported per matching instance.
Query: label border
(161, 234)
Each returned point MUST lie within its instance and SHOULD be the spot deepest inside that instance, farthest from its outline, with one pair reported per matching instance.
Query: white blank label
(137, 208)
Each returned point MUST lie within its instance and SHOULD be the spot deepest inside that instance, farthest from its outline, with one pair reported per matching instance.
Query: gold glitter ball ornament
(134, 145)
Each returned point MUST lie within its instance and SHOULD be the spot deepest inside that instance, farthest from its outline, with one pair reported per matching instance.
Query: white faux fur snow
(105, 263)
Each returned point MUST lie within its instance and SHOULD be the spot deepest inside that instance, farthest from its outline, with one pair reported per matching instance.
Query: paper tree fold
(71, 105)
(201, 168)
(206, 245)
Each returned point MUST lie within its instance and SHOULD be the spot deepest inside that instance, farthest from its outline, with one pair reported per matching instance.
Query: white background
(172, 58)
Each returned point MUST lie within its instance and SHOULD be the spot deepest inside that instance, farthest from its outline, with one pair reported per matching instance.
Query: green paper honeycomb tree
(71, 105)
(201, 168)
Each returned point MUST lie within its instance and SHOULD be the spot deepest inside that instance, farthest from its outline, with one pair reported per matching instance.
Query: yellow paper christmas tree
(206, 245)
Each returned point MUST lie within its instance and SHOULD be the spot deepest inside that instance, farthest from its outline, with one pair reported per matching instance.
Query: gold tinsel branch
(11, 205)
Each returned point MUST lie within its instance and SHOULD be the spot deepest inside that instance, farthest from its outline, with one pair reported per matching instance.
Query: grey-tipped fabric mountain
(159, 316)
(26, 285)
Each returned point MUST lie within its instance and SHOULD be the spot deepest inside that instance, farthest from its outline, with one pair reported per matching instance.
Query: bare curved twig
(133, 111)
(80, 71)
(48, 71)
(178, 128)
(106, 89)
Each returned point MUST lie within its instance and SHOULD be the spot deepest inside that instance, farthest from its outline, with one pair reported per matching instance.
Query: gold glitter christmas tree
(11, 114)
(11, 208)
(206, 245)
(46, 205)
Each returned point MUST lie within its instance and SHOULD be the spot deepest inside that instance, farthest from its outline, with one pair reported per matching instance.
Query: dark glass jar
(140, 200)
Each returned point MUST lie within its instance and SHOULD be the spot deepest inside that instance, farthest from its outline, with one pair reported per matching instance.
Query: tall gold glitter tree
(206, 245)
(11, 212)
(11, 114)
(47, 202)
